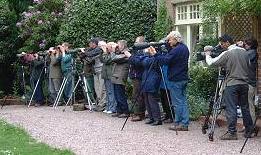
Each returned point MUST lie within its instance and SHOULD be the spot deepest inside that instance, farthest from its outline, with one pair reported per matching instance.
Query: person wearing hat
(177, 61)
(236, 62)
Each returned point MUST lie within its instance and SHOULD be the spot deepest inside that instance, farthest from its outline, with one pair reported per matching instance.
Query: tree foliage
(163, 24)
(214, 8)
(109, 19)
(39, 25)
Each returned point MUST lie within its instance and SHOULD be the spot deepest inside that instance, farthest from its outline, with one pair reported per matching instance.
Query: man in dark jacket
(37, 65)
(177, 61)
(135, 75)
(151, 78)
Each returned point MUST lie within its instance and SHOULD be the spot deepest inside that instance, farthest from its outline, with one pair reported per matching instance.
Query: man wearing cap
(177, 61)
(235, 61)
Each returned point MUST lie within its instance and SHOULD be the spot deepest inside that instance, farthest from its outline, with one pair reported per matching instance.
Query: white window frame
(188, 14)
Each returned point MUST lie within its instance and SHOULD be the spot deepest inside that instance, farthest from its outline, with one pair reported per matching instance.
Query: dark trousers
(121, 98)
(233, 95)
(139, 108)
(152, 105)
(165, 103)
(38, 96)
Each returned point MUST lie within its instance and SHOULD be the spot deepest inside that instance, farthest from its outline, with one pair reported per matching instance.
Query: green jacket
(66, 64)
(107, 66)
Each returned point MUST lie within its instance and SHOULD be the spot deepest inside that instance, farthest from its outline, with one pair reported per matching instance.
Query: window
(191, 11)
(182, 12)
(194, 11)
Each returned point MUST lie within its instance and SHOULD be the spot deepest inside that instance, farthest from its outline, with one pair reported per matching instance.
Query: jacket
(66, 64)
(120, 68)
(151, 76)
(177, 61)
(54, 68)
(107, 66)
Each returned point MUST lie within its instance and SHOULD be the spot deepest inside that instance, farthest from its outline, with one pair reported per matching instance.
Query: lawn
(15, 141)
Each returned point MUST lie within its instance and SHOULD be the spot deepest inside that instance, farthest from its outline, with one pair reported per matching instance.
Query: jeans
(38, 96)
(233, 95)
(179, 102)
(121, 98)
(111, 103)
(68, 89)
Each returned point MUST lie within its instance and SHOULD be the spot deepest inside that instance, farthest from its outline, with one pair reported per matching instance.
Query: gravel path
(88, 133)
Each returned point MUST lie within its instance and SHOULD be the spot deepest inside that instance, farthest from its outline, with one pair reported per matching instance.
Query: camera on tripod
(159, 46)
(215, 51)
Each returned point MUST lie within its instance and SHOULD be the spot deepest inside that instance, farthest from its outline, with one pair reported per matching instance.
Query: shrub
(109, 19)
(40, 24)
(202, 81)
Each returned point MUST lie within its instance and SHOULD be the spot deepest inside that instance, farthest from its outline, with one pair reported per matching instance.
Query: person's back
(237, 66)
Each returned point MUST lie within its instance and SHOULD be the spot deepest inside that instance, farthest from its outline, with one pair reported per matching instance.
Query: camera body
(159, 46)
(215, 51)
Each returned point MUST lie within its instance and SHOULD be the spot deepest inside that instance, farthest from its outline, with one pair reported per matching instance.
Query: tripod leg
(87, 95)
(216, 111)
(170, 105)
(58, 94)
(35, 87)
(72, 93)
(206, 121)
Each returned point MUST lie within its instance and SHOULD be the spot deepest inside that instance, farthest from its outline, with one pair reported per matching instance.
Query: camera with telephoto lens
(215, 51)
(159, 46)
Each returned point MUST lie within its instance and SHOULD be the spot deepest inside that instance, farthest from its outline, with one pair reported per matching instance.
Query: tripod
(44, 70)
(215, 108)
(85, 88)
(170, 105)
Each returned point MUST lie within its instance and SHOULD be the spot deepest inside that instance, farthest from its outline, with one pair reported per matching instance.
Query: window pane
(191, 15)
(178, 9)
(185, 8)
(178, 16)
(197, 7)
(191, 8)
(194, 8)
(194, 15)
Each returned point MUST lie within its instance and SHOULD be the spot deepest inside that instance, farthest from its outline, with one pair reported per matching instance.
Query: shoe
(105, 111)
(109, 112)
(229, 136)
(178, 128)
(115, 115)
(149, 121)
(155, 123)
(136, 118)
(168, 121)
(123, 115)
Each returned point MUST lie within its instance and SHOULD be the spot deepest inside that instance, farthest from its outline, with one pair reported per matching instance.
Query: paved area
(88, 133)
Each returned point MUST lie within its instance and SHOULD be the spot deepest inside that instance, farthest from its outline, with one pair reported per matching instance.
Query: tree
(109, 19)
(163, 24)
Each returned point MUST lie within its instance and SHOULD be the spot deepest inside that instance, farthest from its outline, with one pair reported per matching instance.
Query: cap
(226, 38)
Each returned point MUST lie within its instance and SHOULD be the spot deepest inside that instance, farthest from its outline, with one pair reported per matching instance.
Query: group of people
(156, 77)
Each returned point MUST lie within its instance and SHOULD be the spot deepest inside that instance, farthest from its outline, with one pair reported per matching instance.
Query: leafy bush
(163, 24)
(202, 81)
(109, 19)
(40, 24)
(8, 33)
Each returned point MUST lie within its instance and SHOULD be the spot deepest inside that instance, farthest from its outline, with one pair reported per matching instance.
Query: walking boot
(229, 136)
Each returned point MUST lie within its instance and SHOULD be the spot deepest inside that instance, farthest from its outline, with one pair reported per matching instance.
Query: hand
(208, 52)
(152, 50)
(127, 54)
(82, 49)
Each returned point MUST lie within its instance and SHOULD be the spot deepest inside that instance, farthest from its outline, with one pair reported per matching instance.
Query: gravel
(88, 133)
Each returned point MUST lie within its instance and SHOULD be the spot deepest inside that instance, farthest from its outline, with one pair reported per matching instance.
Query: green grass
(15, 141)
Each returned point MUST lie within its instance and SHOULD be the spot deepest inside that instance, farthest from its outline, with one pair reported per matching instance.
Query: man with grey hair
(177, 61)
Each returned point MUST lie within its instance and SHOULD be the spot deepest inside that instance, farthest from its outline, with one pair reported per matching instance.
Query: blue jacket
(152, 83)
(136, 70)
(177, 61)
